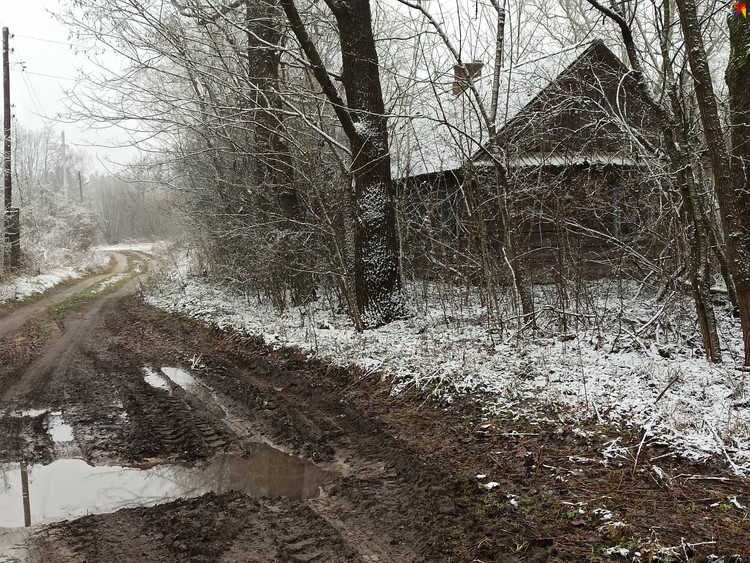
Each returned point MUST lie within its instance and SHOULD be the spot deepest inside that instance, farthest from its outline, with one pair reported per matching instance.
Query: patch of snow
(33, 413)
(110, 281)
(624, 369)
(621, 551)
(603, 514)
(23, 286)
(148, 247)
(20, 287)
(733, 499)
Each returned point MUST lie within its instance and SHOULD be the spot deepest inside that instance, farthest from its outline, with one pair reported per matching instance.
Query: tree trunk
(512, 233)
(376, 267)
(728, 168)
(274, 169)
(736, 213)
(676, 145)
(377, 280)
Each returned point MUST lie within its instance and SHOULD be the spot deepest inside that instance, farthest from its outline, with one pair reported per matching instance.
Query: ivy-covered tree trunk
(736, 214)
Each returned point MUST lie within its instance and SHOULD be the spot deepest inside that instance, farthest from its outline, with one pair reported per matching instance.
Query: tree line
(284, 124)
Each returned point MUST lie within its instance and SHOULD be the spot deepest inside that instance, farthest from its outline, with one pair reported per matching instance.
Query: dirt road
(90, 386)
(111, 403)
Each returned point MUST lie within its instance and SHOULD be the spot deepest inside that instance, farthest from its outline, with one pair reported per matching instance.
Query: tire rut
(383, 507)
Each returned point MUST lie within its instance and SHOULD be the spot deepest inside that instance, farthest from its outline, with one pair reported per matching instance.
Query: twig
(733, 465)
(635, 337)
(651, 320)
(646, 430)
(672, 381)
(689, 477)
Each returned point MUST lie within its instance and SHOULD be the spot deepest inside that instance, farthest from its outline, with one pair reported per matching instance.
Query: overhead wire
(33, 95)
(67, 43)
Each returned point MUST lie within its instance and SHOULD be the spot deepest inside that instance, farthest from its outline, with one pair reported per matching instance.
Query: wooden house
(571, 170)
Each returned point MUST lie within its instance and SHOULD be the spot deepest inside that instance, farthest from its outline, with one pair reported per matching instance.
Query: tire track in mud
(386, 505)
(15, 319)
(373, 506)
(99, 389)
(212, 529)
(78, 324)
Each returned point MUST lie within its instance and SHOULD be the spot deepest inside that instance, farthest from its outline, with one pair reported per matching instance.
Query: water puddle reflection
(190, 384)
(182, 379)
(58, 430)
(155, 380)
(72, 488)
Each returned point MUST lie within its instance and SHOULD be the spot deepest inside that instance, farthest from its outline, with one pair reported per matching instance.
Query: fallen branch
(672, 381)
(646, 430)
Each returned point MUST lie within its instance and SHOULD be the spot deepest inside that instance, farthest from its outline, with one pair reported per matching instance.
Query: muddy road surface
(131, 435)
(213, 448)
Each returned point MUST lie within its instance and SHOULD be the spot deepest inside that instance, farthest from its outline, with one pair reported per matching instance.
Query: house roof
(439, 131)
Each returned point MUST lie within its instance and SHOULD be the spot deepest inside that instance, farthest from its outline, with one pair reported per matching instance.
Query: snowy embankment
(637, 361)
(23, 286)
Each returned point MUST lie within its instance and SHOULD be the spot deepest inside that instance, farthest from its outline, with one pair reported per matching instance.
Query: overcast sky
(43, 65)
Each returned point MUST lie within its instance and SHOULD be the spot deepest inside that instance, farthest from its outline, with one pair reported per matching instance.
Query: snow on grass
(147, 247)
(20, 287)
(639, 364)
(23, 286)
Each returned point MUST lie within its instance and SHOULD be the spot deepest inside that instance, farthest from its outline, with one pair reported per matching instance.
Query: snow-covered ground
(633, 359)
(20, 287)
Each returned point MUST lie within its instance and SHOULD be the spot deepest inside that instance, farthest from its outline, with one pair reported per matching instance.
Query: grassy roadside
(10, 306)
(136, 266)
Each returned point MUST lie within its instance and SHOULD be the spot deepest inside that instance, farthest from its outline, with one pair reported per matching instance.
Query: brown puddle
(72, 488)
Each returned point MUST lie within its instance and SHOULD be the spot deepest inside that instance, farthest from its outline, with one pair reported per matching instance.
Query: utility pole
(64, 167)
(25, 498)
(6, 123)
(12, 216)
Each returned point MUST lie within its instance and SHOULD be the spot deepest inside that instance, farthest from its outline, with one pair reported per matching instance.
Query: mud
(72, 487)
(109, 389)
(392, 479)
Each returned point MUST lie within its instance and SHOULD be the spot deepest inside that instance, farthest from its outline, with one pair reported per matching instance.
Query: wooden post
(25, 494)
(12, 217)
(6, 124)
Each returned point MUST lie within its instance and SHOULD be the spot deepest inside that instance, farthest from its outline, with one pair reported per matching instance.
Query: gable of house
(591, 112)
(434, 127)
(551, 109)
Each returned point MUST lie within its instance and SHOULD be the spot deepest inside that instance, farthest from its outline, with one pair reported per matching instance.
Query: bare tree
(377, 278)
(219, 86)
(669, 110)
(734, 199)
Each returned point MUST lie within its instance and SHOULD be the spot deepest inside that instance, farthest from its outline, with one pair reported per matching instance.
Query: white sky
(43, 66)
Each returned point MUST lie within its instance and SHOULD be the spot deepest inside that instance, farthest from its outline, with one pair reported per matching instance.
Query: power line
(46, 75)
(44, 40)
(29, 85)
(34, 97)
